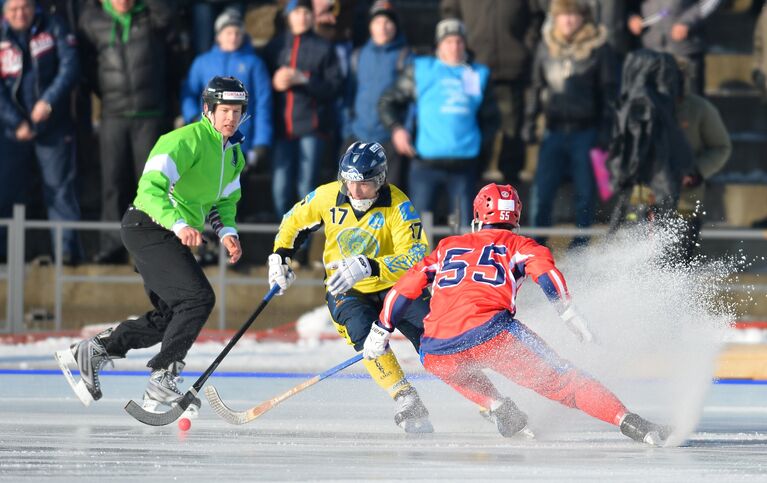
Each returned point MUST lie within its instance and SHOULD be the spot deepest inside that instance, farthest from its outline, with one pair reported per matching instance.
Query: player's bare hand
(190, 237)
(635, 24)
(679, 32)
(402, 142)
(232, 245)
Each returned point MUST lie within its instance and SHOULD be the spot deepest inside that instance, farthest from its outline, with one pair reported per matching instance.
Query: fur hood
(586, 40)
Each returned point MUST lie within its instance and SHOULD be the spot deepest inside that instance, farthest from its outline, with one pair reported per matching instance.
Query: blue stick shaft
(340, 367)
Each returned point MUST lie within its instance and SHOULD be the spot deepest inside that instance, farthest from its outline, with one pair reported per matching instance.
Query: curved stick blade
(161, 419)
(218, 406)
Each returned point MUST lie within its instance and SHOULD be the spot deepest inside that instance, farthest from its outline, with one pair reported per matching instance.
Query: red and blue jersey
(475, 279)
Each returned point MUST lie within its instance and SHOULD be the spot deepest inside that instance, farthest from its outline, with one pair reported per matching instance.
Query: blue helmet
(363, 162)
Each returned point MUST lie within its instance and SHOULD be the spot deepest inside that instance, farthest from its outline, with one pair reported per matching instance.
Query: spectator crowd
(107, 78)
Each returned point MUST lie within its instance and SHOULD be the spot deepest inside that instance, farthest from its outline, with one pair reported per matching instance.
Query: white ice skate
(162, 391)
(65, 359)
(87, 357)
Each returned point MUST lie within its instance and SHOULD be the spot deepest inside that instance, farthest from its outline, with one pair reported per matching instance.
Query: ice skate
(510, 421)
(412, 416)
(639, 429)
(162, 391)
(88, 357)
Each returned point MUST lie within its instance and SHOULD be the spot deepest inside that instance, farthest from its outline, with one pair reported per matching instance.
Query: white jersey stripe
(231, 188)
(560, 286)
(164, 164)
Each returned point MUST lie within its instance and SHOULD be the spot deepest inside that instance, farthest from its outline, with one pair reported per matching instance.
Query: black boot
(642, 430)
(509, 419)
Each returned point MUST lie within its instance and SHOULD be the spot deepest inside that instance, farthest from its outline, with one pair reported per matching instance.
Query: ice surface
(343, 429)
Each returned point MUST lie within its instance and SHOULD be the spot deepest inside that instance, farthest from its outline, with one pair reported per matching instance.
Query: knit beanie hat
(384, 7)
(228, 17)
(559, 7)
(449, 26)
(294, 4)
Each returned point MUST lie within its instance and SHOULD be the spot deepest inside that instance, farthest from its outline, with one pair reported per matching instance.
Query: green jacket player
(192, 174)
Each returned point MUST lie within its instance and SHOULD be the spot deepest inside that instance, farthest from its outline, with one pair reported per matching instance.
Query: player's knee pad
(387, 373)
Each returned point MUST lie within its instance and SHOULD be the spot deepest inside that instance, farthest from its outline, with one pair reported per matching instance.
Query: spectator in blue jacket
(233, 55)
(38, 69)
(456, 117)
(307, 81)
(374, 68)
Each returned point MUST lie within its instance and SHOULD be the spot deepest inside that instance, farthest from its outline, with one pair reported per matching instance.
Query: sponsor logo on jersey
(402, 263)
(308, 198)
(376, 221)
(356, 241)
(10, 61)
(41, 44)
(408, 211)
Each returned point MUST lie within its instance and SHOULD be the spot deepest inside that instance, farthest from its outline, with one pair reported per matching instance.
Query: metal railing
(18, 225)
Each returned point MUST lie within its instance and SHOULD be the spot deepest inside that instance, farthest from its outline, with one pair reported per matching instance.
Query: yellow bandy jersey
(390, 233)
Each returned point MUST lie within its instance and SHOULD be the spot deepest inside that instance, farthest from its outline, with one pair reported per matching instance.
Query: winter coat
(612, 14)
(305, 109)
(246, 66)
(191, 174)
(49, 76)
(130, 78)
(574, 83)
(648, 145)
(663, 14)
(374, 68)
(455, 122)
(501, 34)
(708, 138)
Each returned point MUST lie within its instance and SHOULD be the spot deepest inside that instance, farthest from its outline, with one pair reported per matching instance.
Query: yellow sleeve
(408, 237)
(304, 218)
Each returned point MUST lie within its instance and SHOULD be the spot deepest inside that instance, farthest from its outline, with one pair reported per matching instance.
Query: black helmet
(225, 90)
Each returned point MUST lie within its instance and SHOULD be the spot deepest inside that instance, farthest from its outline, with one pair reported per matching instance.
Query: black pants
(124, 145)
(177, 287)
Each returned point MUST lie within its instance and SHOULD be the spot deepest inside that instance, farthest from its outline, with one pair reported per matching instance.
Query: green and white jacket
(190, 175)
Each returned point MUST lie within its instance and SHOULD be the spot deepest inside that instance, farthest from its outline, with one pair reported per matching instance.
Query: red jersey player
(475, 279)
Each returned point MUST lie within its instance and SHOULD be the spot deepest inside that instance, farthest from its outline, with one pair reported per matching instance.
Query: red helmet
(497, 204)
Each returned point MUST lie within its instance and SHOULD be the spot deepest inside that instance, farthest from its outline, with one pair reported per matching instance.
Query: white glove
(376, 343)
(349, 271)
(577, 325)
(280, 273)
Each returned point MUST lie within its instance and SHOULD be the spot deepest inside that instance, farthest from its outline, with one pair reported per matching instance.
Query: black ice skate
(162, 390)
(88, 357)
(412, 416)
(639, 429)
(509, 420)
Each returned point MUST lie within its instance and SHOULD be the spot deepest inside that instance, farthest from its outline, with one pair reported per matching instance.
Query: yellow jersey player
(373, 235)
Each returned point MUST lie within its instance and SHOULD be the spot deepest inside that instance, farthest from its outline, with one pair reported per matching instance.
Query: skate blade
(417, 426)
(526, 433)
(65, 359)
